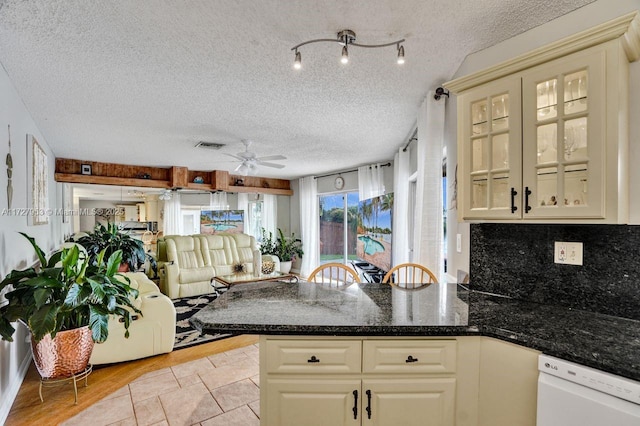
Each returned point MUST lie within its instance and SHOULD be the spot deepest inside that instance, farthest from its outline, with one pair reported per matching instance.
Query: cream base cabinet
(294, 402)
(316, 381)
(410, 402)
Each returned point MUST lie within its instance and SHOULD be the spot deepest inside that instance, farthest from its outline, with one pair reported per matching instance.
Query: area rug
(187, 336)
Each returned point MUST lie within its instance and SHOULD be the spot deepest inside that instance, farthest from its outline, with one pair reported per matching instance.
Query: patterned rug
(186, 336)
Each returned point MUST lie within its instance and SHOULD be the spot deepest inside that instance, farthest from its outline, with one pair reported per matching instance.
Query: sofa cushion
(194, 275)
(184, 251)
(213, 250)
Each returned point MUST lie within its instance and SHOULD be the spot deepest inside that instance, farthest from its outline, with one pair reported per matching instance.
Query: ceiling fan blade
(277, 166)
(272, 157)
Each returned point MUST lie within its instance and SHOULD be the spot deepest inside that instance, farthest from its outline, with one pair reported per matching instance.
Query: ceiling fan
(249, 162)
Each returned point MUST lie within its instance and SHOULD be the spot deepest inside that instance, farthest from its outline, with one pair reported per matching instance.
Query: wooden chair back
(334, 273)
(410, 276)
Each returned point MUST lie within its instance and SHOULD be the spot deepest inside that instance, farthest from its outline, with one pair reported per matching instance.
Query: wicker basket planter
(64, 356)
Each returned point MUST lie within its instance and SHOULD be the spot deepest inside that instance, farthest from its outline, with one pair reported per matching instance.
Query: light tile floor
(219, 390)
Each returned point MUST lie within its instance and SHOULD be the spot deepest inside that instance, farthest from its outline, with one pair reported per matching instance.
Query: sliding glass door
(338, 227)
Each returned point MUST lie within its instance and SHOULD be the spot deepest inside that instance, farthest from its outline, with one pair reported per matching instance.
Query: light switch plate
(568, 253)
(459, 243)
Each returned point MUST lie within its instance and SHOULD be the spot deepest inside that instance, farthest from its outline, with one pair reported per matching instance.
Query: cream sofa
(193, 260)
(152, 333)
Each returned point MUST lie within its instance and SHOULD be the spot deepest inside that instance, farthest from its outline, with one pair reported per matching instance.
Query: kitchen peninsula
(452, 351)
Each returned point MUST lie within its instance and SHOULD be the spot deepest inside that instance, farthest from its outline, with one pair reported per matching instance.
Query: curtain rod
(411, 139)
(347, 171)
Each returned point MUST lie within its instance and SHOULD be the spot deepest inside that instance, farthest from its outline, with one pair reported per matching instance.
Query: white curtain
(309, 225)
(400, 237)
(428, 227)
(218, 201)
(370, 181)
(172, 223)
(269, 213)
(243, 204)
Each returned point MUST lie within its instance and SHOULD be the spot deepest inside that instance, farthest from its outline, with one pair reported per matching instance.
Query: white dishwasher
(574, 395)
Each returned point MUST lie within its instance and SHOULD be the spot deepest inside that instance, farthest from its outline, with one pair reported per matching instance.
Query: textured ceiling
(141, 82)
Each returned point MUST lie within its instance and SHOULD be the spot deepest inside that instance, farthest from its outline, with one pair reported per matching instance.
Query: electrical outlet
(568, 253)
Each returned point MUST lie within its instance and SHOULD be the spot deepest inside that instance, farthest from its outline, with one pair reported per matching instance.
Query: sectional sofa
(189, 262)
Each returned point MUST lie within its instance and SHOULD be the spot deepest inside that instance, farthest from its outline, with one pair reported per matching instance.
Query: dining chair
(147, 239)
(334, 273)
(410, 276)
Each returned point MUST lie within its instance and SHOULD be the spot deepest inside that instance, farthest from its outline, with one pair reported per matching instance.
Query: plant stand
(44, 382)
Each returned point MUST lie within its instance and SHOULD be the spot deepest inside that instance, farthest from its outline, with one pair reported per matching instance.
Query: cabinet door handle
(355, 404)
(527, 192)
(513, 200)
(368, 403)
(411, 359)
(313, 359)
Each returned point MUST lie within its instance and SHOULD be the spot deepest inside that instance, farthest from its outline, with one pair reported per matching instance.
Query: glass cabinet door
(492, 151)
(562, 110)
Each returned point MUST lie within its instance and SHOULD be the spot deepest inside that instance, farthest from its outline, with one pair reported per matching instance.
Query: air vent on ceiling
(209, 145)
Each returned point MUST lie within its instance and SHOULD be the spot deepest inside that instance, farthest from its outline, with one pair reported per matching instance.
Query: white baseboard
(12, 390)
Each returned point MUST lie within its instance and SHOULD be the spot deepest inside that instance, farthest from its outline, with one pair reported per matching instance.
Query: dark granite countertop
(604, 342)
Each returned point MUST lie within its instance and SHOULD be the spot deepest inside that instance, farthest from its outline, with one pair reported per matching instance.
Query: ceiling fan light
(345, 55)
(297, 64)
(242, 169)
(401, 55)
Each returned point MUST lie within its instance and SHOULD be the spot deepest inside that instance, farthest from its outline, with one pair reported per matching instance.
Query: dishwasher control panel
(620, 387)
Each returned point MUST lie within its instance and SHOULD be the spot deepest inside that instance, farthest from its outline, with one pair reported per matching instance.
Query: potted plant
(287, 249)
(110, 239)
(66, 305)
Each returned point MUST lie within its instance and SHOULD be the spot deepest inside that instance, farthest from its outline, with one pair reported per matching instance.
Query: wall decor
(85, 169)
(222, 221)
(37, 181)
(9, 171)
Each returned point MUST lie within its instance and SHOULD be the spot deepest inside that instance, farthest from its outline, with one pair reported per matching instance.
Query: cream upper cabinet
(545, 136)
(490, 149)
(569, 133)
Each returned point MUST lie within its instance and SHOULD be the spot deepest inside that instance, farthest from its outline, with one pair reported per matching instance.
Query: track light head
(400, 55)
(297, 64)
(345, 55)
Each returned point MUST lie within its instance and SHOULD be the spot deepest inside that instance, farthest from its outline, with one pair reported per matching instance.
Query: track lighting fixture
(347, 38)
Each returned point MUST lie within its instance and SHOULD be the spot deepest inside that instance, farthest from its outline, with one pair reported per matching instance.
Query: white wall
(16, 253)
(582, 19)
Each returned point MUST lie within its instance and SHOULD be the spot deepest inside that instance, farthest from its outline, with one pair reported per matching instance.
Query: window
(254, 219)
(338, 227)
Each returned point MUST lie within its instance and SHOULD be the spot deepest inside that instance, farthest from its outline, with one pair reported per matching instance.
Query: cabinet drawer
(409, 356)
(313, 356)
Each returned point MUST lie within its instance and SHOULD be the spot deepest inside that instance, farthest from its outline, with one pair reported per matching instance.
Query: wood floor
(58, 401)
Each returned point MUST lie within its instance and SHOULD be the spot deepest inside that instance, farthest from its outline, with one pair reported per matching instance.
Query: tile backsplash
(516, 260)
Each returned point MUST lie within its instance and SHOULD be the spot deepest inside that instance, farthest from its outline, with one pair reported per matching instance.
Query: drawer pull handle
(411, 359)
(368, 404)
(313, 359)
(355, 404)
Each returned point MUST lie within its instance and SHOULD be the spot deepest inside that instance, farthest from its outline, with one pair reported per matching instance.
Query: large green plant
(288, 248)
(66, 292)
(110, 239)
